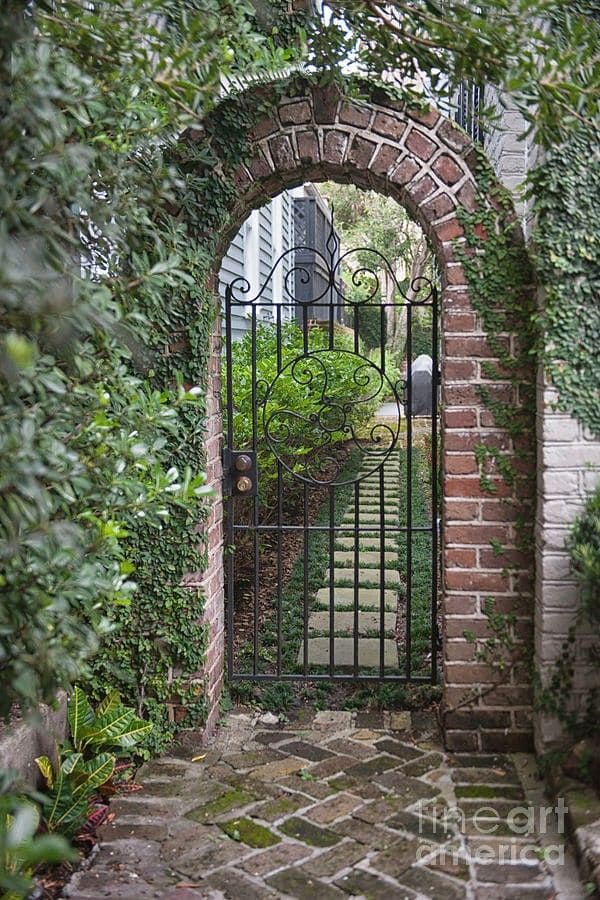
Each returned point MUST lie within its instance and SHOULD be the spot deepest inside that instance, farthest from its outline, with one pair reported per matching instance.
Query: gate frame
(431, 167)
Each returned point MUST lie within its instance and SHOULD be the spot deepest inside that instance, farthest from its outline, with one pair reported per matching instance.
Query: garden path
(352, 608)
(329, 805)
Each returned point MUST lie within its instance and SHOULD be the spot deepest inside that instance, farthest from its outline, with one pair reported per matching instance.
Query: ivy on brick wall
(567, 241)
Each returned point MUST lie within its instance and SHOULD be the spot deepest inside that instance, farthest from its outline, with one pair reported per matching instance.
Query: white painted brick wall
(568, 461)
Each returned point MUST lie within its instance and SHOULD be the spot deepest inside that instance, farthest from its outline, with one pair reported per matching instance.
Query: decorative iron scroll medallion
(344, 388)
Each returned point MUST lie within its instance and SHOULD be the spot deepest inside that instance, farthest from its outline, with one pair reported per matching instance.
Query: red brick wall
(428, 165)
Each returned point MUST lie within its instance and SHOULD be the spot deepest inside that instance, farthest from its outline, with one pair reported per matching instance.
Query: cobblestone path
(332, 805)
(357, 577)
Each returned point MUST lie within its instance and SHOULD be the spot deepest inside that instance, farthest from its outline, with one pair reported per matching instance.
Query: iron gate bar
(423, 292)
(434, 490)
(409, 448)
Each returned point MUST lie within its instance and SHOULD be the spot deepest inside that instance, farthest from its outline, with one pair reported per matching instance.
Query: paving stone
(397, 858)
(308, 833)
(400, 721)
(360, 883)
(378, 810)
(333, 718)
(485, 776)
(316, 790)
(272, 810)
(438, 831)
(542, 891)
(345, 559)
(251, 759)
(328, 767)
(508, 873)
(405, 752)
(376, 766)
(271, 737)
(333, 808)
(274, 770)
(343, 652)
(489, 792)
(249, 832)
(391, 577)
(327, 864)
(343, 623)
(481, 760)
(302, 886)
(370, 719)
(435, 886)
(286, 854)
(367, 598)
(233, 885)
(450, 864)
(370, 835)
(418, 767)
(367, 790)
(348, 747)
(197, 861)
(369, 545)
(306, 750)
(222, 806)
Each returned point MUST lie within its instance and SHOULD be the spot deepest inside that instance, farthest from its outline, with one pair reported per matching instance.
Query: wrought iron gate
(330, 469)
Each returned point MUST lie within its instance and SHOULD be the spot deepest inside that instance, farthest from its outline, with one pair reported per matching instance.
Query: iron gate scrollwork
(330, 503)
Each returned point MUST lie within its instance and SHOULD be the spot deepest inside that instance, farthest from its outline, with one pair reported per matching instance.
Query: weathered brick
(447, 169)
(282, 152)
(388, 126)
(334, 147)
(422, 188)
(407, 169)
(308, 147)
(297, 113)
(354, 114)
(385, 159)
(325, 104)
(420, 145)
(437, 207)
(361, 152)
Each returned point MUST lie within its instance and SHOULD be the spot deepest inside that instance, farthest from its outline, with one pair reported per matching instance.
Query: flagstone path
(366, 555)
(331, 805)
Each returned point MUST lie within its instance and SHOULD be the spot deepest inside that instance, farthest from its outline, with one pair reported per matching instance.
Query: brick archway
(430, 167)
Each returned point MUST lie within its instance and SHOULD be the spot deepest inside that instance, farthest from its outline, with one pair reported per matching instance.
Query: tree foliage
(553, 75)
(100, 442)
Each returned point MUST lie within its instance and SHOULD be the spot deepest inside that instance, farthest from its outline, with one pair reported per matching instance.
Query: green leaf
(46, 768)
(112, 701)
(95, 773)
(80, 714)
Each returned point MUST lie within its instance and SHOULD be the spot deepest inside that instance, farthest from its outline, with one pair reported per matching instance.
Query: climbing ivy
(567, 246)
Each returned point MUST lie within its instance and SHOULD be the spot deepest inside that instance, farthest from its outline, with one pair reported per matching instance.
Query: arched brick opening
(430, 167)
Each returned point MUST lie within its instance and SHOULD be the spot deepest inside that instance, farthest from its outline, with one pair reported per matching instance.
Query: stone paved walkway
(332, 805)
(366, 599)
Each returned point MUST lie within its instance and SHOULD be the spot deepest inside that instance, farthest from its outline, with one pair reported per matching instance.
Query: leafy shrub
(21, 848)
(88, 761)
(584, 546)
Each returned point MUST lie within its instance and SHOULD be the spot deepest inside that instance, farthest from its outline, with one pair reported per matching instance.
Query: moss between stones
(221, 805)
(496, 791)
(309, 834)
(275, 809)
(249, 832)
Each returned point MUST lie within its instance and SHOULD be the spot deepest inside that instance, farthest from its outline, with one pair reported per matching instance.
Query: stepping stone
(346, 558)
(368, 545)
(367, 518)
(343, 653)
(366, 576)
(343, 622)
(367, 597)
